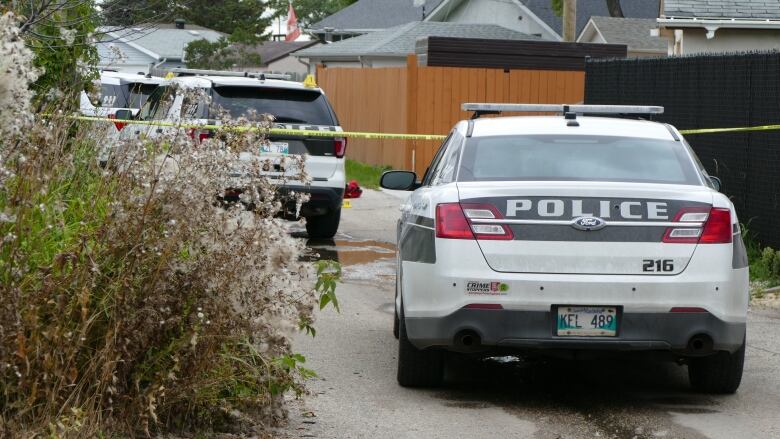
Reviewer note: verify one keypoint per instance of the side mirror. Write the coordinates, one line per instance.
(716, 183)
(123, 114)
(399, 180)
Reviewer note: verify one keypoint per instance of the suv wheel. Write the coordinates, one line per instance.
(719, 373)
(323, 226)
(417, 368)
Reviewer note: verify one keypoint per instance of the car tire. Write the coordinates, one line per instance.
(324, 226)
(417, 368)
(720, 373)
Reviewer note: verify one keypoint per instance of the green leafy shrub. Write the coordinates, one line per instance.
(767, 267)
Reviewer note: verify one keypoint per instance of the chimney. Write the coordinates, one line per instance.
(180, 22)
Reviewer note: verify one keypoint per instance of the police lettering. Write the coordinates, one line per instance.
(628, 210)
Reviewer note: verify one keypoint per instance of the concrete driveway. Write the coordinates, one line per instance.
(356, 394)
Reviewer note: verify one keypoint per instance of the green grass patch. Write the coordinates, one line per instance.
(366, 175)
(764, 261)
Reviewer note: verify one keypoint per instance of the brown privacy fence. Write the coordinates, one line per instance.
(427, 100)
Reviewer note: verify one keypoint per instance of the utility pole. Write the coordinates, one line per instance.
(569, 20)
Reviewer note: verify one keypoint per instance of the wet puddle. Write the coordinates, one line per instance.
(360, 260)
(348, 252)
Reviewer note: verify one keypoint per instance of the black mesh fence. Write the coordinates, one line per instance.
(713, 91)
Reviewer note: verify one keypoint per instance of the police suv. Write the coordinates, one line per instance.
(294, 105)
(550, 235)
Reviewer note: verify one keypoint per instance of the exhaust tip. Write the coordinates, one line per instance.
(467, 340)
(700, 344)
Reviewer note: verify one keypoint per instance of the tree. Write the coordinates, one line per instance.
(614, 8)
(219, 55)
(60, 35)
(242, 19)
(308, 11)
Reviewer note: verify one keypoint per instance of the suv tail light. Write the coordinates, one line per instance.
(199, 135)
(716, 227)
(340, 146)
(119, 125)
(455, 221)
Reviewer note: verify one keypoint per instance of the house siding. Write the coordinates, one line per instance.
(729, 40)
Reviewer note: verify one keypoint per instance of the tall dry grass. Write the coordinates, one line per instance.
(130, 301)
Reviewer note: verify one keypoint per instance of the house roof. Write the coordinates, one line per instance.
(589, 8)
(160, 41)
(633, 32)
(374, 14)
(713, 9)
(271, 51)
(401, 40)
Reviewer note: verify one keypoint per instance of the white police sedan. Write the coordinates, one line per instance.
(564, 235)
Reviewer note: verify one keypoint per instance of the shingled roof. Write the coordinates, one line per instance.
(633, 32)
(401, 40)
(271, 51)
(713, 9)
(590, 8)
(374, 15)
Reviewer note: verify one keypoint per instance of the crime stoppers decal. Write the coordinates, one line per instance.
(481, 288)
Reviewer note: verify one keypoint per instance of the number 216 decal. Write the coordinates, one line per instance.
(658, 265)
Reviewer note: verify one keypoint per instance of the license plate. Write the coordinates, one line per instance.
(275, 148)
(587, 321)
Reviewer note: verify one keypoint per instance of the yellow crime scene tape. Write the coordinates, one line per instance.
(362, 135)
(731, 130)
(273, 131)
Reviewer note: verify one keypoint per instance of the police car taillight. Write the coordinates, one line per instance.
(708, 226)
(339, 146)
(717, 229)
(451, 223)
(455, 221)
(482, 230)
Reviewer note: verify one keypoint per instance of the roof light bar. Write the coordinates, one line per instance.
(563, 108)
(203, 72)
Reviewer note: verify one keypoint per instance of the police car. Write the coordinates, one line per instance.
(569, 235)
(119, 91)
(294, 105)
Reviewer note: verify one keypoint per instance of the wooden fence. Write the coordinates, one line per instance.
(427, 100)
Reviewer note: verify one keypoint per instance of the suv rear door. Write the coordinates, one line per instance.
(305, 109)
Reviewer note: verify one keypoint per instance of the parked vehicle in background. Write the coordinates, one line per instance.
(292, 104)
(569, 236)
(119, 91)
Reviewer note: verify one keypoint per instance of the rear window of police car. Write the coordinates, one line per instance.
(576, 158)
(287, 106)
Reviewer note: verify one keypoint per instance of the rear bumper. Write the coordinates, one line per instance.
(535, 330)
(322, 201)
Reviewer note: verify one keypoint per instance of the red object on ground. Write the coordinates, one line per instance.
(352, 190)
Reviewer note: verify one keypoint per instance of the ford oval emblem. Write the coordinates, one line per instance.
(588, 223)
